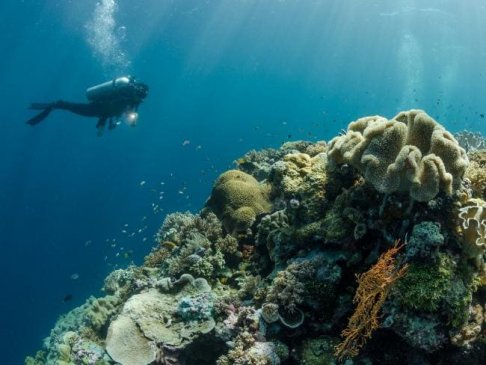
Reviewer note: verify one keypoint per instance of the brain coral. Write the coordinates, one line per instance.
(409, 153)
(237, 198)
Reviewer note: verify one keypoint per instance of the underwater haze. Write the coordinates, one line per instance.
(225, 77)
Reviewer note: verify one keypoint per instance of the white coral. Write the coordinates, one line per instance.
(473, 224)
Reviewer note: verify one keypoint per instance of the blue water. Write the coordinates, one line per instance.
(225, 76)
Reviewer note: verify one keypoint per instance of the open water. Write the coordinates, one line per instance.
(225, 76)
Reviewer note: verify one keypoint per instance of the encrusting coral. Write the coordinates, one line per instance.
(410, 152)
(265, 273)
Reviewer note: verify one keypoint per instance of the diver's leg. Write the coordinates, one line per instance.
(86, 110)
(46, 110)
(39, 117)
(111, 123)
(101, 126)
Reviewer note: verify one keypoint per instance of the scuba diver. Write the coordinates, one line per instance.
(108, 102)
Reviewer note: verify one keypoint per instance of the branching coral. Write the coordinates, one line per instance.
(410, 153)
(192, 244)
(248, 351)
(288, 287)
(373, 288)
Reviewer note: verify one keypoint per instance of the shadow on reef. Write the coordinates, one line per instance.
(367, 250)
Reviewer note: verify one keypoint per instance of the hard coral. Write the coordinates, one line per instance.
(237, 198)
(476, 173)
(410, 153)
(301, 179)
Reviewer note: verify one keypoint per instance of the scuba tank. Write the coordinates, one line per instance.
(109, 88)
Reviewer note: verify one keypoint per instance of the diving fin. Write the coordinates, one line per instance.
(42, 115)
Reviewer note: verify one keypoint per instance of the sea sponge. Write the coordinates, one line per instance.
(473, 224)
(237, 198)
(409, 153)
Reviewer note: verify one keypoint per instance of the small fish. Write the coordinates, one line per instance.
(67, 298)
(186, 142)
(142, 183)
(87, 243)
(74, 276)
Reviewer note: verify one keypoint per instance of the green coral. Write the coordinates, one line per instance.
(426, 238)
(237, 198)
(335, 225)
(409, 153)
(425, 285)
(317, 351)
(101, 310)
(39, 359)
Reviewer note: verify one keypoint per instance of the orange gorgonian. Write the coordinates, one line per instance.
(373, 289)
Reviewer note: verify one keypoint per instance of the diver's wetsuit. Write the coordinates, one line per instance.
(107, 109)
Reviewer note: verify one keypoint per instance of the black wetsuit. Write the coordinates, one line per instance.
(106, 110)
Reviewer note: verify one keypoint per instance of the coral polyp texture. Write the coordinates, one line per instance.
(266, 272)
(237, 199)
(411, 152)
(473, 223)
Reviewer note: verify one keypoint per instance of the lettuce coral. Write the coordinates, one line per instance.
(473, 223)
(409, 153)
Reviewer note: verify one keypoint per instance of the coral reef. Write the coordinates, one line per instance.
(265, 273)
(237, 199)
(470, 141)
(476, 173)
(410, 152)
(473, 223)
